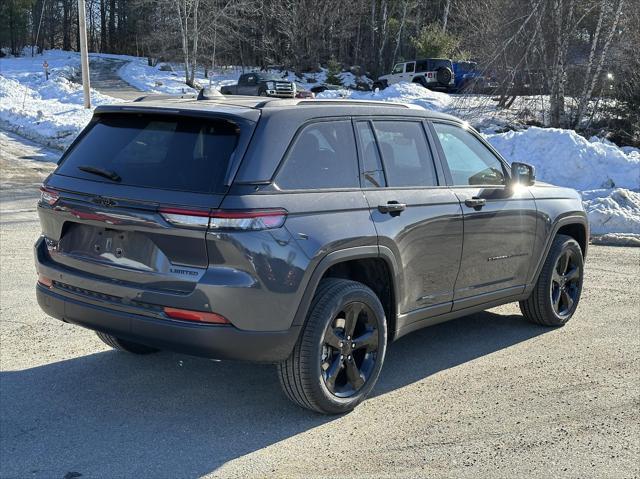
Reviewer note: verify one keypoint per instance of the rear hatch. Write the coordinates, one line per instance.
(130, 199)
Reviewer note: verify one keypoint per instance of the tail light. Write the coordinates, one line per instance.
(430, 75)
(44, 281)
(218, 220)
(48, 196)
(198, 316)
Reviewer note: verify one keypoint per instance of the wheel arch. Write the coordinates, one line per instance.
(374, 266)
(575, 226)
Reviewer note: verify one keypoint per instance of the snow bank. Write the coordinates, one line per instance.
(398, 92)
(613, 211)
(50, 111)
(151, 79)
(564, 158)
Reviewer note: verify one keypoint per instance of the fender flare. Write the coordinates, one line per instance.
(340, 256)
(563, 221)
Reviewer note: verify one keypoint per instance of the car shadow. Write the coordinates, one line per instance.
(166, 415)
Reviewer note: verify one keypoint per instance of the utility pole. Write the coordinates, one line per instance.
(84, 55)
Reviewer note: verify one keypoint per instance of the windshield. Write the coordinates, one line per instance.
(167, 152)
(269, 76)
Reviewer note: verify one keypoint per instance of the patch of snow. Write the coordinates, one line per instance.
(617, 239)
(400, 93)
(613, 211)
(564, 158)
(50, 111)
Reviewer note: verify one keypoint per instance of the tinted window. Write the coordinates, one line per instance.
(158, 152)
(373, 174)
(323, 156)
(406, 153)
(470, 162)
(422, 66)
(410, 67)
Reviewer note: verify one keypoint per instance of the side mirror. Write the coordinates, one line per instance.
(522, 174)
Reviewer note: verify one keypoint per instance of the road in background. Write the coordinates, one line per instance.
(489, 395)
(105, 79)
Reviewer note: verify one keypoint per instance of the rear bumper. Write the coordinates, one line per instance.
(210, 341)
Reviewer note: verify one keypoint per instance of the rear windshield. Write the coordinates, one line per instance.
(173, 153)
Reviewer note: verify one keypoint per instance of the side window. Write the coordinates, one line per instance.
(242, 80)
(470, 162)
(398, 68)
(422, 66)
(406, 154)
(323, 156)
(411, 67)
(373, 174)
(251, 79)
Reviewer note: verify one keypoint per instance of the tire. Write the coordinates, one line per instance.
(379, 85)
(420, 81)
(320, 376)
(262, 93)
(444, 76)
(127, 346)
(556, 295)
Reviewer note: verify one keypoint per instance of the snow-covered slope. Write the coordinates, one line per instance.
(565, 158)
(48, 111)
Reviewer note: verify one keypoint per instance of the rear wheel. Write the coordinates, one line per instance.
(124, 345)
(555, 296)
(339, 355)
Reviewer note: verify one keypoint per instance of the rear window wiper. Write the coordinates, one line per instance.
(112, 175)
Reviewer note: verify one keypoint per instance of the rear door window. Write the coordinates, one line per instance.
(323, 155)
(406, 154)
(173, 153)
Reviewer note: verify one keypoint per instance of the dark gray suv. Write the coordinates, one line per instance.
(307, 233)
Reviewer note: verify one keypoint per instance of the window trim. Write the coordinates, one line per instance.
(443, 159)
(287, 153)
(360, 149)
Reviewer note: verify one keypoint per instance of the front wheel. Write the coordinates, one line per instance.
(339, 355)
(556, 294)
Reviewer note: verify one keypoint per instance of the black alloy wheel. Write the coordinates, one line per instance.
(349, 350)
(565, 283)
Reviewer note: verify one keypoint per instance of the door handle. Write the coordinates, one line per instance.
(392, 207)
(475, 203)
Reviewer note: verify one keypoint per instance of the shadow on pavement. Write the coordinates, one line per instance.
(165, 415)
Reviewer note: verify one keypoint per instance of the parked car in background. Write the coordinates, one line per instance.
(468, 78)
(433, 73)
(306, 233)
(304, 93)
(324, 87)
(261, 84)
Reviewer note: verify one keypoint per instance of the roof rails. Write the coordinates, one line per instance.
(276, 102)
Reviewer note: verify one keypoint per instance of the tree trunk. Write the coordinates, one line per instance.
(590, 80)
(103, 26)
(445, 15)
(112, 26)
